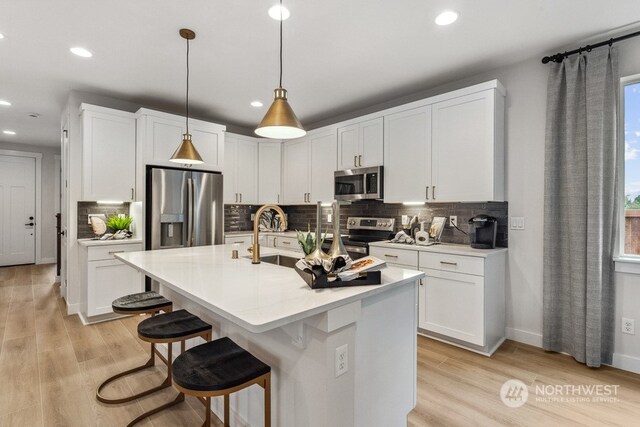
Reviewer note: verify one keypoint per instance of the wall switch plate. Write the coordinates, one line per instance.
(517, 223)
(329, 217)
(453, 221)
(628, 326)
(253, 217)
(342, 359)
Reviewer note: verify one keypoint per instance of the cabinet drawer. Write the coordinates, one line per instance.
(238, 240)
(456, 263)
(290, 243)
(96, 253)
(404, 257)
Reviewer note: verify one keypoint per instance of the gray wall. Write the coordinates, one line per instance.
(48, 220)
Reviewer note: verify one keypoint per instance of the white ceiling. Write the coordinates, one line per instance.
(339, 55)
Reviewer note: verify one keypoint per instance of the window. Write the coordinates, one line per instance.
(631, 178)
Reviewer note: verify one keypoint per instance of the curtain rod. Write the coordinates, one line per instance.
(559, 57)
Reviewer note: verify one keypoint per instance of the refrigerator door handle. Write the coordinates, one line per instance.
(190, 207)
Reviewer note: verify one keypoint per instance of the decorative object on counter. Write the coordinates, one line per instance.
(270, 221)
(337, 247)
(316, 255)
(414, 226)
(437, 226)
(98, 225)
(120, 225)
(186, 152)
(422, 237)
(342, 274)
(402, 237)
(280, 122)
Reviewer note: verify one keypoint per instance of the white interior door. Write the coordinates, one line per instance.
(17, 210)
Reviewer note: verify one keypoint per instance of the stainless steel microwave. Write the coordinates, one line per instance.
(358, 184)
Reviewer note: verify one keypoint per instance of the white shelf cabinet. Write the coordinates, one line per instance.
(107, 278)
(269, 172)
(160, 134)
(449, 148)
(240, 175)
(462, 299)
(309, 164)
(108, 154)
(361, 144)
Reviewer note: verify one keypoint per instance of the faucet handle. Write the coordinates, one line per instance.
(250, 249)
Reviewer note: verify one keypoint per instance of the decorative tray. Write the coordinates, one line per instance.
(316, 278)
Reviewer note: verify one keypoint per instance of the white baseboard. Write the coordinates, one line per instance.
(73, 308)
(627, 363)
(525, 337)
(47, 260)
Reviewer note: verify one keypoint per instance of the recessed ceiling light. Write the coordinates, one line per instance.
(5, 103)
(80, 51)
(447, 17)
(256, 104)
(276, 11)
(8, 132)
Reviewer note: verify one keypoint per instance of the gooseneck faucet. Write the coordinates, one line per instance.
(255, 259)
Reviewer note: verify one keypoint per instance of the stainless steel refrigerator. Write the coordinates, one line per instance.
(184, 208)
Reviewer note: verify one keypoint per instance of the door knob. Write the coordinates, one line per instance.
(30, 218)
(30, 224)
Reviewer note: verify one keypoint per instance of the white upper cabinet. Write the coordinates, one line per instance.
(160, 135)
(308, 167)
(467, 148)
(240, 175)
(269, 171)
(296, 156)
(323, 166)
(361, 144)
(407, 155)
(108, 154)
(449, 148)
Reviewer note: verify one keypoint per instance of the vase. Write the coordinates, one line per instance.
(317, 256)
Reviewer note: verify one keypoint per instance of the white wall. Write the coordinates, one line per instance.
(48, 197)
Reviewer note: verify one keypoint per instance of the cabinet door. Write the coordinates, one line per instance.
(108, 280)
(109, 156)
(163, 137)
(209, 143)
(247, 171)
(452, 304)
(323, 166)
(295, 175)
(463, 148)
(229, 177)
(371, 143)
(348, 146)
(407, 155)
(269, 171)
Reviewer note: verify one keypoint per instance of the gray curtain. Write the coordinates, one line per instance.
(580, 206)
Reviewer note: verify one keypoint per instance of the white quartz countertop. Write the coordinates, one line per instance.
(443, 248)
(94, 242)
(256, 297)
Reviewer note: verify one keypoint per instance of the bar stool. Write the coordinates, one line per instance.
(169, 328)
(141, 303)
(219, 368)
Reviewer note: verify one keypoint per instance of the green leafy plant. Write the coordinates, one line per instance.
(117, 223)
(632, 204)
(307, 241)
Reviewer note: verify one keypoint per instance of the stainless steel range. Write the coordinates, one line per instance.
(362, 231)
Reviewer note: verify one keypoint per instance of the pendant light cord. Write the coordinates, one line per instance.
(281, 44)
(187, 100)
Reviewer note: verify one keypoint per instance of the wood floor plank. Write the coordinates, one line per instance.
(19, 374)
(20, 321)
(30, 416)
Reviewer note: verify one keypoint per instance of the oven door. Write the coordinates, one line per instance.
(358, 184)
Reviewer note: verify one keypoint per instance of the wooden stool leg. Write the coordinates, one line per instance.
(267, 401)
(182, 346)
(207, 420)
(226, 410)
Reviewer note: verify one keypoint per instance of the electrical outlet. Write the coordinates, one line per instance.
(628, 326)
(453, 221)
(253, 217)
(329, 217)
(342, 359)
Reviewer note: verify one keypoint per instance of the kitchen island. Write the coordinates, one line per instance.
(339, 357)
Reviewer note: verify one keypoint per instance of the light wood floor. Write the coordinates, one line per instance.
(50, 365)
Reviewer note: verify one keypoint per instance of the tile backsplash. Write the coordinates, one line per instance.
(86, 208)
(238, 217)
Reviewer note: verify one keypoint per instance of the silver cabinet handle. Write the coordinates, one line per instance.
(427, 192)
(433, 192)
(421, 282)
(391, 256)
(236, 197)
(278, 198)
(240, 197)
(360, 160)
(448, 263)
(132, 194)
(286, 243)
(239, 241)
(115, 252)
(355, 161)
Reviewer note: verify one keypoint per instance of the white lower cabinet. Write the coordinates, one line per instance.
(107, 278)
(289, 243)
(462, 298)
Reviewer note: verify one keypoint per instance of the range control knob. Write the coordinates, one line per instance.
(352, 222)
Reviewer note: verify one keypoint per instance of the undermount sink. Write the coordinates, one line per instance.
(282, 260)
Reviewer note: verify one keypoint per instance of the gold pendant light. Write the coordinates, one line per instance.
(186, 152)
(280, 122)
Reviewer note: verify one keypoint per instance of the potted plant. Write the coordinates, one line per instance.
(120, 224)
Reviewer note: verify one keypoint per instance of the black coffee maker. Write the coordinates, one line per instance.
(483, 230)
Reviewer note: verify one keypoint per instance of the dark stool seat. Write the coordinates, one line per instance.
(169, 326)
(218, 368)
(143, 302)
